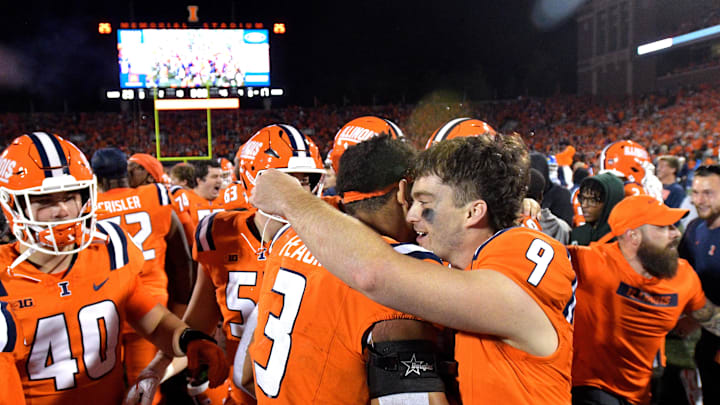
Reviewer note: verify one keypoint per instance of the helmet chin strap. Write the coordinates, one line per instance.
(275, 217)
(24, 256)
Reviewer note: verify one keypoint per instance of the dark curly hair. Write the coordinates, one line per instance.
(494, 168)
(371, 166)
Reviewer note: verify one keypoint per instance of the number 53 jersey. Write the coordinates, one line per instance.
(71, 320)
(311, 330)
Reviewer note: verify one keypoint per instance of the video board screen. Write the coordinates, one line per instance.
(187, 58)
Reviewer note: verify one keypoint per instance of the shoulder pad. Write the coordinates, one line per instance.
(163, 195)
(116, 245)
(203, 234)
(8, 331)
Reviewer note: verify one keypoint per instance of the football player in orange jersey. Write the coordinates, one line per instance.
(145, 169)
(631, 293)
(230, 246)
(317, 340)
(630, 162)
(9, 375)
(516, 348)
(75, 280)
(234, 194)
(203, 197)
(146, 213)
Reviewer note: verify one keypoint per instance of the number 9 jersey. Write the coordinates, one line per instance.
(493, 372)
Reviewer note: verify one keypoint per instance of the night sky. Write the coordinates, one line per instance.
(52, 58)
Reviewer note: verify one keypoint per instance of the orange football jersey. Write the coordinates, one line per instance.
(181, 205)
(632, 188)
(234, 259)
(308, 344)
(199, 207)
(145, 213)
(12, 391)
(71, 321)
(233, 197)
(622, 318)
(493, 372)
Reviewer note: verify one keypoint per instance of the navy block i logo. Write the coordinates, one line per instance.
(64, 291)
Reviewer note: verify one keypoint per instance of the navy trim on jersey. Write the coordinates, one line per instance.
(8, 338)
(174, 189)
(413, 250)
(116, 239)
(569, 310)
(203, 234)
(72, 263)
(3, 291)
(163, 196)
(477, 252)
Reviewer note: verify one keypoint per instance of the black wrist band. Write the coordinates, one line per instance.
(188, 335)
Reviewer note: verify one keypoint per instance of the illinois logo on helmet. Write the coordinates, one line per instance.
(625, 159)
(358, 130)
(37, 165)
(282, 147)
(459, 127)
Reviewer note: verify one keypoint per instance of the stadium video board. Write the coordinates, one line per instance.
(190, 58)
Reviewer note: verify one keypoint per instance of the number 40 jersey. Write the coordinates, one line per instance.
(71, 320)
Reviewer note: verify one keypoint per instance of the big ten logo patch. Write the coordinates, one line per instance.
(23, 303)
(232, 258)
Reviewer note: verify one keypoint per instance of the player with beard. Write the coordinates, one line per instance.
(630, 295)
(698, 247)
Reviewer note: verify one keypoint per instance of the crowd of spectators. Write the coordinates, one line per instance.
(683, 123)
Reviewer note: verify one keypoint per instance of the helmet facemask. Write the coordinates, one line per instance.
(61, 237)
